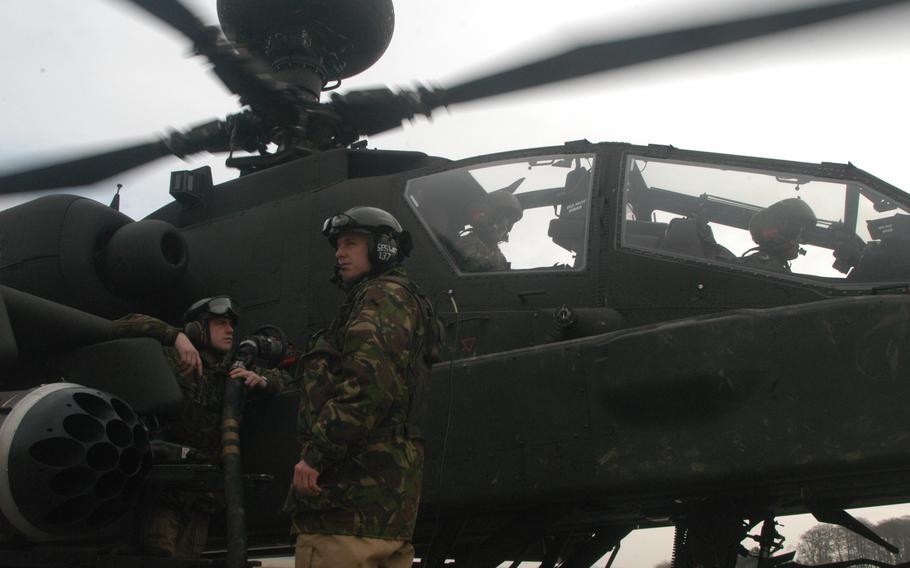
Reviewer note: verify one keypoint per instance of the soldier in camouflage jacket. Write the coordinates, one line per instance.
(364, 387)
(177, 524)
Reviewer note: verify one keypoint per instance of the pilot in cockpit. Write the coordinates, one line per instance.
(778, 232)
(490, 218)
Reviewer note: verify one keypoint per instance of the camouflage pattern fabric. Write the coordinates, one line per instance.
(363, 394)
(141, 325)
(474, 255)
(177, 524)
(198, 421)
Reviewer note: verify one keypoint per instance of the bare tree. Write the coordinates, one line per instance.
(818, 544)
(830, 543)
(897, 532)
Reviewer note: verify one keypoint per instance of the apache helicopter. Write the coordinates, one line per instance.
(629, 368)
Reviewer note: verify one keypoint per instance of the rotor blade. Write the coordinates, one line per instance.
(84, 171)
(612, 55)
(240, 72)
(179, 17)
(213, 136)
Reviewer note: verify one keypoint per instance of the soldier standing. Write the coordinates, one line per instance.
(364, 386)
(177, 524)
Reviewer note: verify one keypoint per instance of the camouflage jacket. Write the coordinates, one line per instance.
(197, 422)
(474, 255)
(364, 385)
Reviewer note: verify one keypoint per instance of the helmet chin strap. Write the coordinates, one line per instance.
(337, 280)
(336, 276)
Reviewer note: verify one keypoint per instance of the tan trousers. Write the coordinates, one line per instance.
(343, 551)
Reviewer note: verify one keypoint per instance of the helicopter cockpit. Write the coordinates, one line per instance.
(730, 214)
(518, 214)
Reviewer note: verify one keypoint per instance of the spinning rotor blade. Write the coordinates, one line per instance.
(84, 171)
(612, 55)
(240, 72)
(212, 136)
(369, 112)
(179, 17)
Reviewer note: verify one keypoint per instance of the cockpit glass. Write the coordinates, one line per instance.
(765, 220)
(520, 214)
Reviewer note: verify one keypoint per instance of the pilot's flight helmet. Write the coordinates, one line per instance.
(496, 203)
(779, 227)
(215, 306)
(197, 316)
(504, 202)
(389, 243)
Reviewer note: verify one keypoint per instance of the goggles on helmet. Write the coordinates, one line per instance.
(213, 307)
(339, 223)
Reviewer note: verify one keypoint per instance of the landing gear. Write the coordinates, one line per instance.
(531, 537)
(708, 535)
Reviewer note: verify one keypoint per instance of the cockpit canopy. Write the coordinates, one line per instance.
(474, 212)
(533, 214)
(838, 229)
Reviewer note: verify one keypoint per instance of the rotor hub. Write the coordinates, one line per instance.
(306, 40)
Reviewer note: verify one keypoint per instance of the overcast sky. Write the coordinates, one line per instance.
(91, 73)
(96, 72)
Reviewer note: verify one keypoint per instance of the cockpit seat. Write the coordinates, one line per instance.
(645, 234)
(691, 237)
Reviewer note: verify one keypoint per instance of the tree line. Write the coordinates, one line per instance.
(824, 543)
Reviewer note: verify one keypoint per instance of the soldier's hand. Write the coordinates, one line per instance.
(189, 356)
(249, 378)
(305, 479)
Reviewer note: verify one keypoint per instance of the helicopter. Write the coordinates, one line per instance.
(507, 512)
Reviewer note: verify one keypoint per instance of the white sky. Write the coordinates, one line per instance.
(96, 72)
